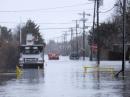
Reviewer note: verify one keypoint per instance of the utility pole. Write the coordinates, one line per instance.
(124, 36)
(0, 33)
(71, 29)
(83, 35)
(123, 41)
(91, 53)
(76, 29)
(98, 36)
(77, 50)
(84, 20)
(65, 42)
(20, 35)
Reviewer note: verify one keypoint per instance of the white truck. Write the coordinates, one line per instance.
(31, 55)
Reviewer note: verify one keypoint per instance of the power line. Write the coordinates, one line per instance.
(8, 22)
(108, 10)
(52, 28)
(51, 11)
(35, 10)
(54, 23)
(37, 23)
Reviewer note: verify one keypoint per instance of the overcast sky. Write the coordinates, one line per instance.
(49, 11)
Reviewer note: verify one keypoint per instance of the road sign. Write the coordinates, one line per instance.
(94, 48)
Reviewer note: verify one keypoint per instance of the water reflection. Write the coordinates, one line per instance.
(32, 76)
(65, 79)
(4, 77)
(101, 84)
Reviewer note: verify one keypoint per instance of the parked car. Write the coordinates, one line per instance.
(74, 56)
(53, 56)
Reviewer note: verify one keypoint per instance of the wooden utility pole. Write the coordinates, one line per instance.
(84, 20)
(124, 36)
(98, 36)
(72, 48)
(91, 53)
(123, 40)
(76, 30)
(84, 35)
(65, 43)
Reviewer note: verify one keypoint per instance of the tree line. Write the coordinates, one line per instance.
(111, 33)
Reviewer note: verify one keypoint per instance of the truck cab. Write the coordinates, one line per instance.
(31, 56)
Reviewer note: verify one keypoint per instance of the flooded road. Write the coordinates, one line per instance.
(65, 78)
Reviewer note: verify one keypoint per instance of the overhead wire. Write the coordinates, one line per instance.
(52, 28)
(40, 23)
(45, 9)
(108, 10)
(37, 23)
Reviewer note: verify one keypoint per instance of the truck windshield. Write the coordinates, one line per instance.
(31, 51)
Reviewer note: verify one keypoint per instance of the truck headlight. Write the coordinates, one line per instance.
(21, 61)
(40, 60)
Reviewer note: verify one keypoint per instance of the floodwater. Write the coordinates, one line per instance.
(66, 78)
